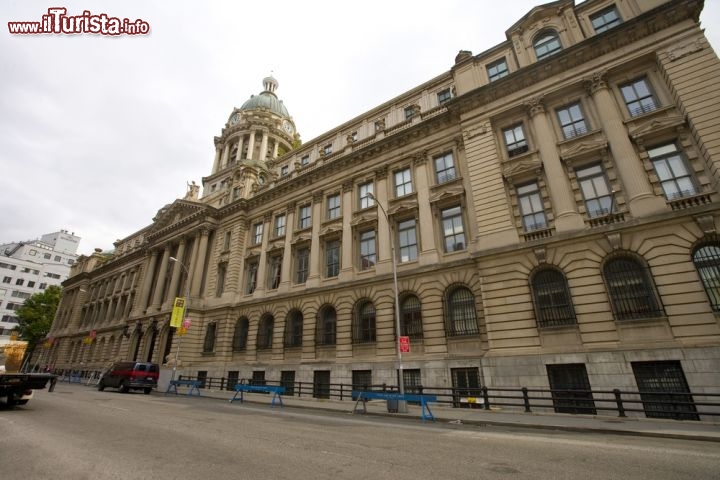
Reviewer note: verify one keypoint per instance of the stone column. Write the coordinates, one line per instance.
(192, 261)
(216, 162)
(199, 264)
(425, 222)
(642, 201)
(313, 279)
(225, 155)
(238, 154)
(263, 147)
(150, 266)
(566, 216)
(276, 145)
(158, 296)
(346, 260)
(262, 279)
(383, 237)
(251, 145)
(177, 271)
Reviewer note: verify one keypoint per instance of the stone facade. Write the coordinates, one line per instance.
(552, 203)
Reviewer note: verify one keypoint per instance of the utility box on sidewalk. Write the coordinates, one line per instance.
(392, 405)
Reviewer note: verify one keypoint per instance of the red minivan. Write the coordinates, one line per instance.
(126, 376)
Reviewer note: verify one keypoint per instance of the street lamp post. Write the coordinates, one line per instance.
(187, 302)
(402, 405)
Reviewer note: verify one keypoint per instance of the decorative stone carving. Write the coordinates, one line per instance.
(541, 255)
(676, 53)
(596, 82)
(706, 224)
(615, 240)
(535, 105)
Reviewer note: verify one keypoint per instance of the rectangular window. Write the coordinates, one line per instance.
(58, 258)
(497, 69)
(251, 277)
(327, 149)
(445, 168)
(664, 390)
(7, 279)
(409, 112)
(226, 242)
(287, 380)
(361, 379)
(275, 271)
(305, 217)
(443, 96)
(222, 272)
(605, 19)
(466, 387)
(43, 286)
(367, 250)
(209, 343)
(639, 97)
(515, 140)
(595, 190)
(332, 258)
(571, 388)
(279, 225)
(403, 183)
(572, 121)
(670, 167)
(531, 207)
(365, 200)
(33, 252)
(46, 256)
(302, 265)
(453, 230)
(19, 281)
(407, 240)
(321, 384)
(305, 160)
(257, 233)
(333, 206)
(284, 170)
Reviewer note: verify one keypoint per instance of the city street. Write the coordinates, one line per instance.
(80, 433)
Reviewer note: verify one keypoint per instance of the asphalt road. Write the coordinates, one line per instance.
(79, 433)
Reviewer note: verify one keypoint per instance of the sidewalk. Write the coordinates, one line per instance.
(687, 429)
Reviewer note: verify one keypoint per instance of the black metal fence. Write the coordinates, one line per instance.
(674, 405)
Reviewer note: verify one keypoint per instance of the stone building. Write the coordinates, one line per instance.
(552, 204)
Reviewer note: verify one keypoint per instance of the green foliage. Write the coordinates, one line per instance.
(36, 315)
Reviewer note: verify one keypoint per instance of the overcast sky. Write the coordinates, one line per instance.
(97, 133)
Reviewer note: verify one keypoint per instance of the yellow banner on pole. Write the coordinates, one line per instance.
(178, 312)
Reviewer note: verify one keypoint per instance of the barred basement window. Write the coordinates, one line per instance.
(551, 296)
(631, 290)
(460, 314)
(707, 263)
(664, 390)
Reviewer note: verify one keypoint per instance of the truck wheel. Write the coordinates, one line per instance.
(122, 388)
(147, 390)
(101, 386)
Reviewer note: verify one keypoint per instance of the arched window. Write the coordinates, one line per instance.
(551, 297)
(364, 323)
(210, 332)
(411, 317)
(326, 322)
(240, 335)
(460, 314)
(707, 262)
(546, 43)
(631, 289)
(265, 332)
(293, 329)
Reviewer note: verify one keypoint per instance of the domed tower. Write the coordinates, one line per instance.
(255, 134)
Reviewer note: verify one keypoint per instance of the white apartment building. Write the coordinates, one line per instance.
(29, 267)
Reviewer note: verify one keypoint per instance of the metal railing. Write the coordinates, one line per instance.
(675, 405)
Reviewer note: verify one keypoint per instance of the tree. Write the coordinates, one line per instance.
(36, 315)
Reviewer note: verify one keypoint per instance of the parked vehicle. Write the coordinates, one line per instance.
(126, 376)
(16, 388)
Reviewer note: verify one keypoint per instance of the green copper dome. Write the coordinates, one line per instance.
(267, 99)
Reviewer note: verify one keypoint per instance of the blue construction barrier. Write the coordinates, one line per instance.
(193, 386)
(426, 413)
(241, 388)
